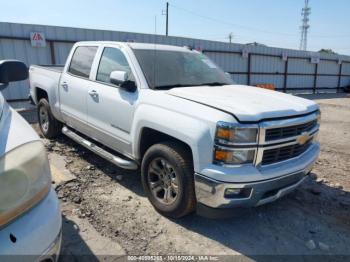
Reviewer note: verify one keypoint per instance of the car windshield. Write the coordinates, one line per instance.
(165, 69)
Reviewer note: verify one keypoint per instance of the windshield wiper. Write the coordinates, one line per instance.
(214, 84)
(187, 85)
(171, 86)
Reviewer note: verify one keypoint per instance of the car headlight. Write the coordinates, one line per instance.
(319, 117)
(227, 133)
(236, 144)
(24, 180)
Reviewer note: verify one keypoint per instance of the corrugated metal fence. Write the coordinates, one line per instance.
(289, 70)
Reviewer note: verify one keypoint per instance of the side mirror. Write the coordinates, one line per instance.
(120, 78)
(12, 71)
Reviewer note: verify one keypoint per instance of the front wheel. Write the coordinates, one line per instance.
(49, 126)
(167, 178)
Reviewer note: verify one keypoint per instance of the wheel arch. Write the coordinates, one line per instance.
(194, 132)
(41, 93)
(150, 136)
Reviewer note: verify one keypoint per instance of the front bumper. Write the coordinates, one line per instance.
(35, 236)
(211, 192)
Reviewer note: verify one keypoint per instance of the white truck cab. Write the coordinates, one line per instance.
(198, 137)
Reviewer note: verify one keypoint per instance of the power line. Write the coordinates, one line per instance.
(329, 36)
(251, 28)
(227, 23)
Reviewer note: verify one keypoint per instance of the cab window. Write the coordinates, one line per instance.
(82, 61)
(112, 59)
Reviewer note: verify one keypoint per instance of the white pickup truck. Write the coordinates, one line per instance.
(198, 138)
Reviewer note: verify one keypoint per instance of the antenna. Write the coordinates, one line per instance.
(305, 12)
(155, 24)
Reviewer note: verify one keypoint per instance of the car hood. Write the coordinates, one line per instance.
(14, 130)
(2, 102)
(247, 103)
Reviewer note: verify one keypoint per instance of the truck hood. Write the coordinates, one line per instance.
(247, 103)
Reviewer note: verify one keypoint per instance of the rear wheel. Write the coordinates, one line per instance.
(167, 178)
(49, 126)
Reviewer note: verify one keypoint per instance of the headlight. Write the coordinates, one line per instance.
(24, 180)
(319, 117)
(232, 140)
(234, 156)
(227, 133)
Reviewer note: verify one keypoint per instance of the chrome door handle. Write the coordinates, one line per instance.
(93, 93)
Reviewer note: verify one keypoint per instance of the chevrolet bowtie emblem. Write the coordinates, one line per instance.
(303, 138)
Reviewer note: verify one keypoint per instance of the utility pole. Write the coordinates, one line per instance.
(166, 13)
(230, 37)
(305, 12)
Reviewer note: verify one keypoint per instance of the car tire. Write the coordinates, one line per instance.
(346, 89)
(49, 125)
(173, 195)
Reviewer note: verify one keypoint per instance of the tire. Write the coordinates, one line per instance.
(49, 126)
(173, 161)
(346, 89)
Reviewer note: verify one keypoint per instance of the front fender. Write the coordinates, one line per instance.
(196, 133)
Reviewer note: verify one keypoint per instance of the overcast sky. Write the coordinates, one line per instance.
(271, 22)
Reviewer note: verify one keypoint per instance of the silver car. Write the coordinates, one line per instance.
(30, 217)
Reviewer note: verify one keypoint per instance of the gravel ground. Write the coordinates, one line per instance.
(109, 203)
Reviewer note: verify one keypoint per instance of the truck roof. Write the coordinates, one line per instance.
(134, 45)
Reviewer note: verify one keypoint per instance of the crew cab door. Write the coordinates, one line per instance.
(110, 107)
(74, 85)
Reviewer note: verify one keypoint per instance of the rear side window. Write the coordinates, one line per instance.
(82, 61)
(112, 60)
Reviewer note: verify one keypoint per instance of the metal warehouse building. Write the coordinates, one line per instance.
(289, 70)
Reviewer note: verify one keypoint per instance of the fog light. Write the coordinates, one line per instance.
(237, 192)
(232, 191)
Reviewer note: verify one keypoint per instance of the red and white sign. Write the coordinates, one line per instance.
(245, 53)
(37, 39)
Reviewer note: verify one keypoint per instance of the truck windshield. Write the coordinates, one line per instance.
(165, 69)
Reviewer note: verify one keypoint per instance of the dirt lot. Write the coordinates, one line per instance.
(106, 213)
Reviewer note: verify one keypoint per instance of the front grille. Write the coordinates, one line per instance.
(271, 156)
(289, 131)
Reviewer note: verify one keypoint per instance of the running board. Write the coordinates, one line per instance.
(123, 163)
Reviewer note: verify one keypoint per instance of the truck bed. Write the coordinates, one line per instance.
(44, 77)
(57, 68)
